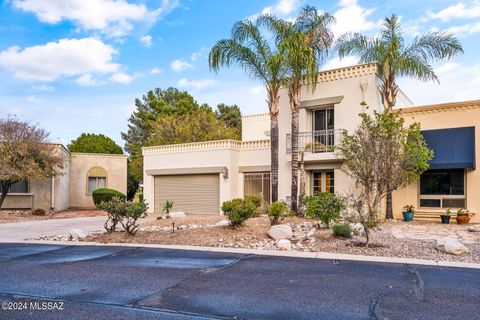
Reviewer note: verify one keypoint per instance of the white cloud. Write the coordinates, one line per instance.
(33, 99)
(44, 87)
(457, 11)
(97, 114)
(351, 17)
(111, 17)
(180, 65)
(67, 57)
(86, 80)
(156, 71)
(339, 63)
(146, 40)
(121, 77)
(465, 30)
(282, 8)
(195, 84)
(457, 82)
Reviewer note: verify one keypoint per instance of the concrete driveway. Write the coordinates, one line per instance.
(18, 231)
(104, 282)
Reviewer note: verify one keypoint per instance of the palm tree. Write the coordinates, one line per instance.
(250, 51)
(396, 59)
(305, 42)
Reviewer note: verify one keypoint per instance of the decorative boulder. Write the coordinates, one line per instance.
(474, 228)
(280, 231)
(357, 229)
(452, 246)
(222, 223)
(284, 244)
(77, 234)
(177, 214)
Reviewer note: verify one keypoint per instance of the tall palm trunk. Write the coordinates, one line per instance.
(294, 96)
(301, 195)
(274, 154)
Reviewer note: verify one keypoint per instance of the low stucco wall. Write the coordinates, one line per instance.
(452, 115)
(80, 163)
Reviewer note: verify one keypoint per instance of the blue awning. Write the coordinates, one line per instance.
(454, 147)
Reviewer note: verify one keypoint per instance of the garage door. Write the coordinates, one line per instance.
(193, 193)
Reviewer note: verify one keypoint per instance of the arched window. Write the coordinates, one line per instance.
(96, 179)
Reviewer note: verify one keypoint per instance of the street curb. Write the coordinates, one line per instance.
(293, 254)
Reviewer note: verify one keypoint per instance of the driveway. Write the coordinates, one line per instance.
(18, 231)
(103, 282)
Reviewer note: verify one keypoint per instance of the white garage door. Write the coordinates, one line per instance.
(192, 193)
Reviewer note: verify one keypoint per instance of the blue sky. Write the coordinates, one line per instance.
(76, 66)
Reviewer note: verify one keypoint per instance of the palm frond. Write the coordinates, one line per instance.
(435, 46)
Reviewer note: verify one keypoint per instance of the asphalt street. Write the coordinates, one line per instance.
(102, 282)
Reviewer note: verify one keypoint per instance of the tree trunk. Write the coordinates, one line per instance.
(274, 155)
(5, 188)
(301, 195)
(294, 190)
(389, 214)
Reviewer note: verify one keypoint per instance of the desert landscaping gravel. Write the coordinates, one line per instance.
(391, 239)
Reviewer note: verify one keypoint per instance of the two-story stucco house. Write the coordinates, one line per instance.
(198, 177)
(82, 173)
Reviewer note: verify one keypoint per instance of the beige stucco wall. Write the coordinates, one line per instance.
(453, 115)
(345, 89)
(80, 163)
(256, 127)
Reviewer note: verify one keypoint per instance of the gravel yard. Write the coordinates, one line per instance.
(392, 239)
(7, 216)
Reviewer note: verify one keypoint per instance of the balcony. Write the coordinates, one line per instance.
(322, 141)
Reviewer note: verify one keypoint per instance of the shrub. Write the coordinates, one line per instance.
(104, 194)
(38, 212)
(324, 207)
(114, 208)
(277, 211)
(255, 199)
(342, 230)
(166, 209)
(238, 210)
(124, 212)
(133, 211)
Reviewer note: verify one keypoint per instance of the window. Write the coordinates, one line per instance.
(442, 189)
(96, 179)
(323, 129)
(323, 181)
(95, 183)
(257, 183)
(18, 187)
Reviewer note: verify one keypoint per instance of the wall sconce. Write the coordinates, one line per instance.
(225, 173)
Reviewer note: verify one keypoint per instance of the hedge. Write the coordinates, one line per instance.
(104, 194)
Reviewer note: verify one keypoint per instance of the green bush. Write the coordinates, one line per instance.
(342, 230)
(324, 207)
(124, 212)
(104, 194)
(278, 211)
(255, 199)
(238, 210)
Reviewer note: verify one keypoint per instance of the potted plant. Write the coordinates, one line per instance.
(408, 213)
(463, 216)
(446, 216)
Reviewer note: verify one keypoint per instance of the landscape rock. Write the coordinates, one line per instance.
(280, 231)
(77, 234)
(357, 229)
(474, 228)
(177, 214)
(452, 246)
(222, 223)
(284, 244)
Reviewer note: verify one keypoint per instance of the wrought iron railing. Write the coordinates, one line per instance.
(316, 141)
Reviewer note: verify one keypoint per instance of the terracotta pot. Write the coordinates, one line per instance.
(463, 218)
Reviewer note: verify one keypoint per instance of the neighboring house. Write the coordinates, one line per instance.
(82, 173)
(198, 177)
